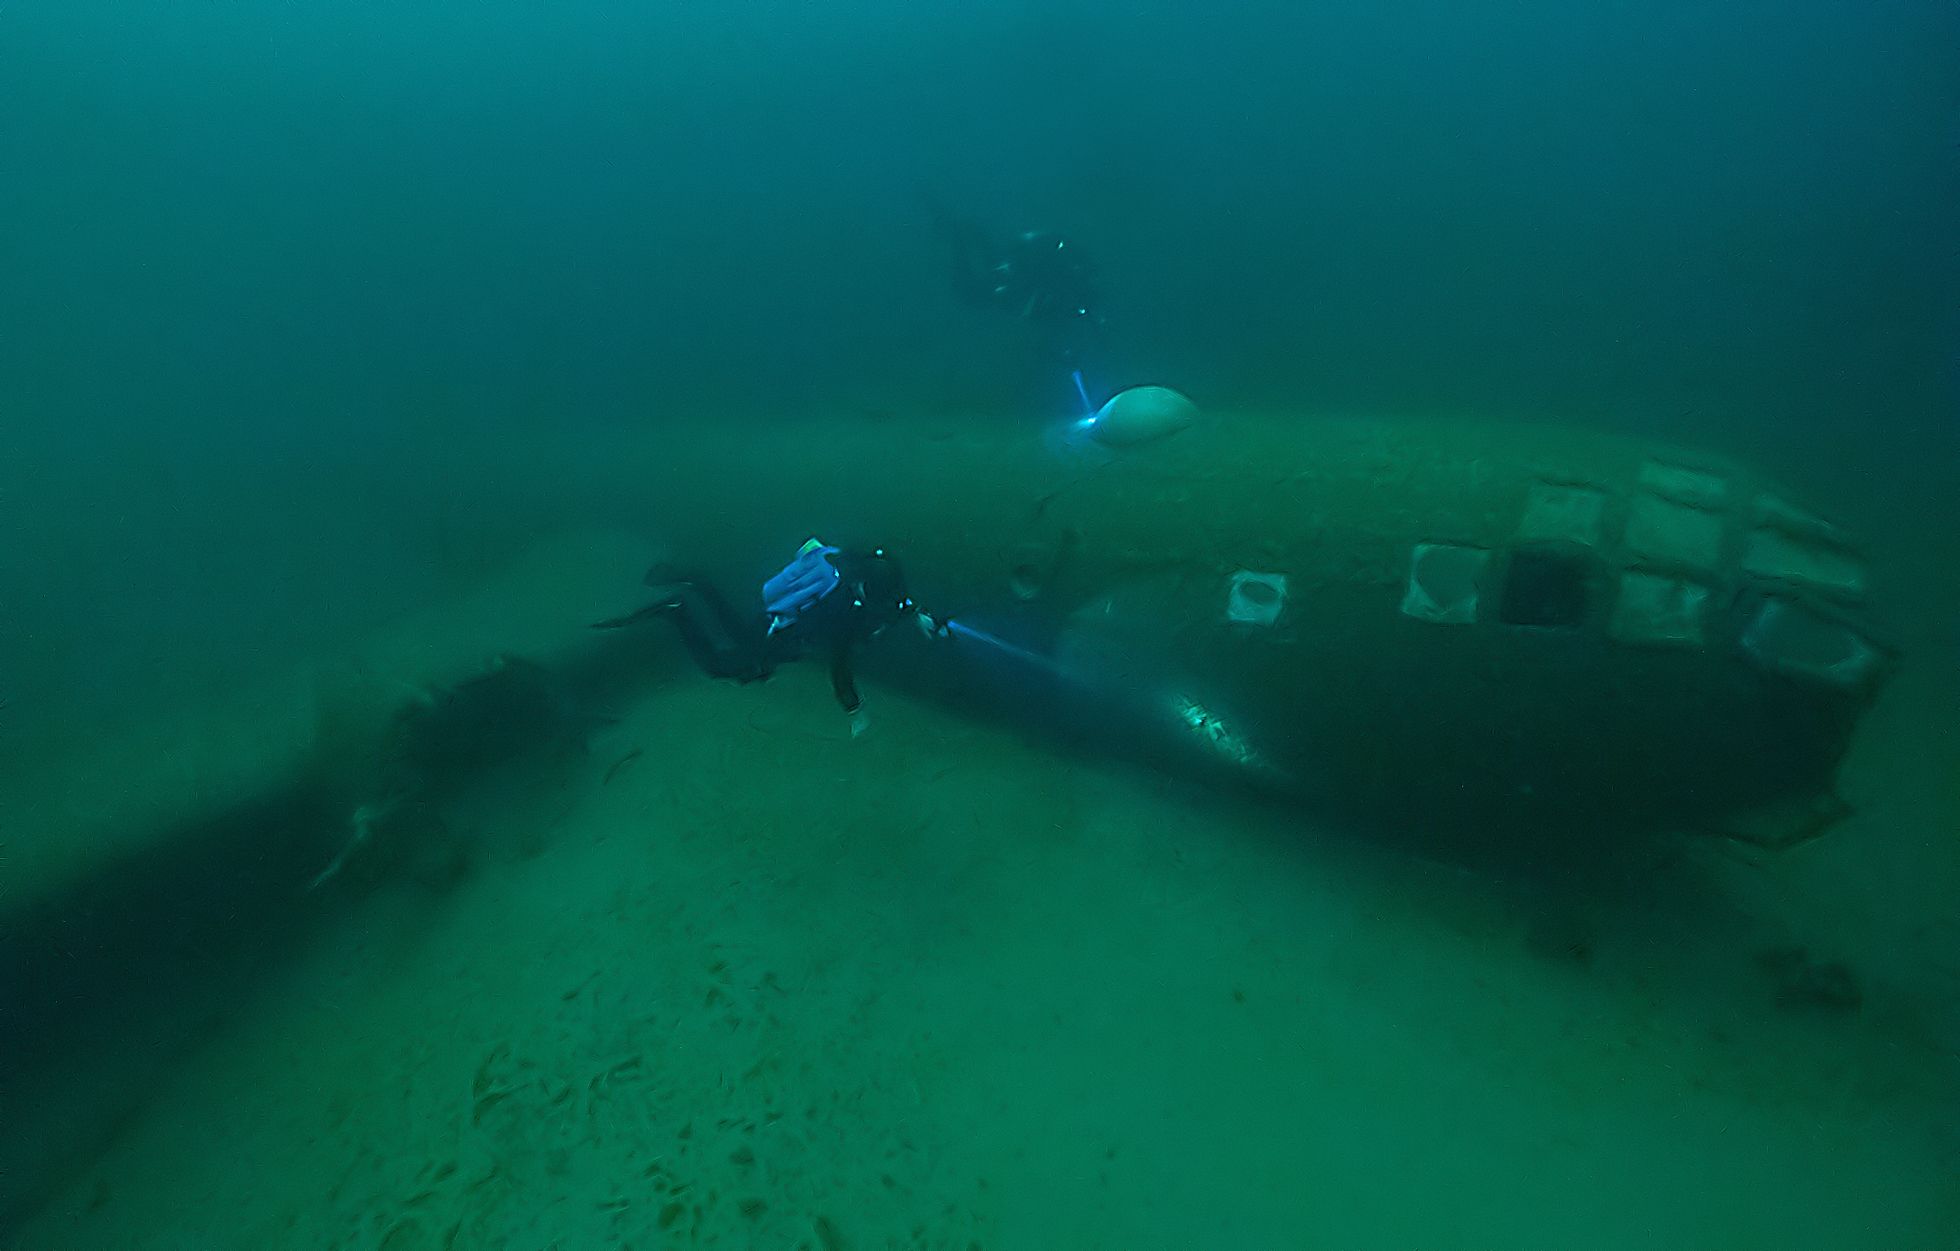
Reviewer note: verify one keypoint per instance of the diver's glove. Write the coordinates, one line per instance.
(930, 628)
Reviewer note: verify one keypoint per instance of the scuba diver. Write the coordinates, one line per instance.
(1040, 277)
(824, 602)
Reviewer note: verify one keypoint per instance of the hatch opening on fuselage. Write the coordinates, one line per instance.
(1548, 588)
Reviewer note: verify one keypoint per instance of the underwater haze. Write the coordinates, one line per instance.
(244, 239)
(356, 356)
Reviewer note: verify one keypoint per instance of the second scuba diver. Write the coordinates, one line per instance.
(1039, 277)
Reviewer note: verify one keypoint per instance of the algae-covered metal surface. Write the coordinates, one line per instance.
(1468, 624)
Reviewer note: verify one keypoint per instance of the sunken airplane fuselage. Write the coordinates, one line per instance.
(1447, 624)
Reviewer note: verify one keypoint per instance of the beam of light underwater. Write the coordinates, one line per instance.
(1197, 724)
(1068, 438)
(1047, 664)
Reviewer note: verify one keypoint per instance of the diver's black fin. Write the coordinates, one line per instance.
(634, 618)
(1783, 823)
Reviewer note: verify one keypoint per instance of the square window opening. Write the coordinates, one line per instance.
(1548, 588)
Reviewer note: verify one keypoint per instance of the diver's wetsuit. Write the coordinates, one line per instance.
(1042, 277)
(869, 594)
(1038, 276)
